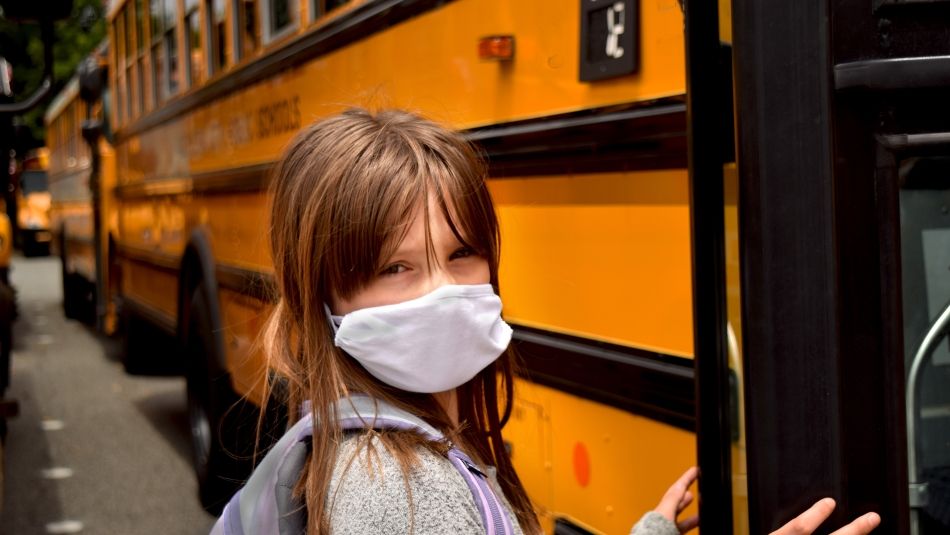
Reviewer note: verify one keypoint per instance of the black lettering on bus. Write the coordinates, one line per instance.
(278, 117)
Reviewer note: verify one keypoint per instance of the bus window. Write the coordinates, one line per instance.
(140, 82)
(321, 7)
(158, 74)
(119, 33)
(164, 49)
(33, 181)
(140, 54)
(279, 16)
(139, 26)
(245, 29)
(333, 4)
(129, 60)
(171, 45)
(158, 25)
(194, 54)
(216, 35)
(925, 255)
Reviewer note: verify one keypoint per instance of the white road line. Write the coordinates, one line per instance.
(57, 472)
(64, 526)
(52, 425)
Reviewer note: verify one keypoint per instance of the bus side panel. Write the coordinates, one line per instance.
(603, 256)
(429, 63)
(243, 321)
(150, 286)
(238, 226)
(583, 460)
(108, 232)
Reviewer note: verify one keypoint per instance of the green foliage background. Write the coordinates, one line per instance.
(22, 46)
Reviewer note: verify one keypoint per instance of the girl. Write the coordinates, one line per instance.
(385, 246)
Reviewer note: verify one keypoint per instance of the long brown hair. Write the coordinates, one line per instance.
(342, 197)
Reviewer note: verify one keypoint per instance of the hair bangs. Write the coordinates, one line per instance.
(373, 212)
(392, 182)
(459, 191)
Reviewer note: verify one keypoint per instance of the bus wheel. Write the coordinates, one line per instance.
(7, 311)
(137, 340)
(223, 426)
(69, 300)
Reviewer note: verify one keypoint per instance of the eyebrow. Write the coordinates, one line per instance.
(403, 250)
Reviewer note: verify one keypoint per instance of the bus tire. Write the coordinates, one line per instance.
(7, 312)
(223, 426)
(69, 300)
(136, 342)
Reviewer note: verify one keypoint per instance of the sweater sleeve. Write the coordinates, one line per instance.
(369, 493)
(654, 523)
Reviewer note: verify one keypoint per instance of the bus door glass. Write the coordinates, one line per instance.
(925, 271)
(740, 495)
(733, 281)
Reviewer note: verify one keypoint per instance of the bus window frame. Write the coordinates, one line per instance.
(172, 36)
(128, 61)
(141, 53)
(118, 51)
(318, 9)
(216, 36)
(193, 12)
(239, 11)
(268, 34)
(160, 44)
(156, 52)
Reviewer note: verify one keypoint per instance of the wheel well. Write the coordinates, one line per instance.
(198, 267)
(61, 241)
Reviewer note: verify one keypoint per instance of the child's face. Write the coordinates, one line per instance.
(409, 273)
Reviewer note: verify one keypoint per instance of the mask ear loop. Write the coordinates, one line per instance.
(335, 321)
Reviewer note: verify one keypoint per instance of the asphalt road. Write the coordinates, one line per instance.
(93, 450)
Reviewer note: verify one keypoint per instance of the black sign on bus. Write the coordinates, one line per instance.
(608, 39)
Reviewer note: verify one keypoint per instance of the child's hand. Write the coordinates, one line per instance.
(677, 498)
(807, 522)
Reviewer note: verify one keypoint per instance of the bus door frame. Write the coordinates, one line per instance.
(706, 123)
(817, 86)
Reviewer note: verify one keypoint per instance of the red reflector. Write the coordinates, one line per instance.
(497, 47)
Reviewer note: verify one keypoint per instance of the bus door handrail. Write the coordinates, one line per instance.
(918, 489)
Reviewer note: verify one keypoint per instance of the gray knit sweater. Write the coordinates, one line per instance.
(368, 494)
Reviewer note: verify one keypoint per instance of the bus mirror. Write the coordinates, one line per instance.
(92, 79)
(45, 13)
(91, 130)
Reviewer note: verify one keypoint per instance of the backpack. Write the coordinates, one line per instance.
(265, 505)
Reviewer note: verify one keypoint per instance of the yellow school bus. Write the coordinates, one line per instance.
(580, 108)
(79, 196)
(33, 204)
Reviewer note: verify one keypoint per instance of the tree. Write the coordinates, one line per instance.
(76, 37)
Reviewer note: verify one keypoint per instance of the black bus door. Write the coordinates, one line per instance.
(841, 202)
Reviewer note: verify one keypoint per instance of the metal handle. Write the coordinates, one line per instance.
(917, 489)
(46, 30)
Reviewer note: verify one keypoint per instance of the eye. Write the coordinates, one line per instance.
(393, 269)
(462, 252)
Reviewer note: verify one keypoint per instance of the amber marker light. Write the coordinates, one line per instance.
(497, 48)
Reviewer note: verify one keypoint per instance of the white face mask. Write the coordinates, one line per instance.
(433, 343)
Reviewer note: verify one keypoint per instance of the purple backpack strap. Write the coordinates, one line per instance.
(262, 506)
(259, 508)
(494, 518)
